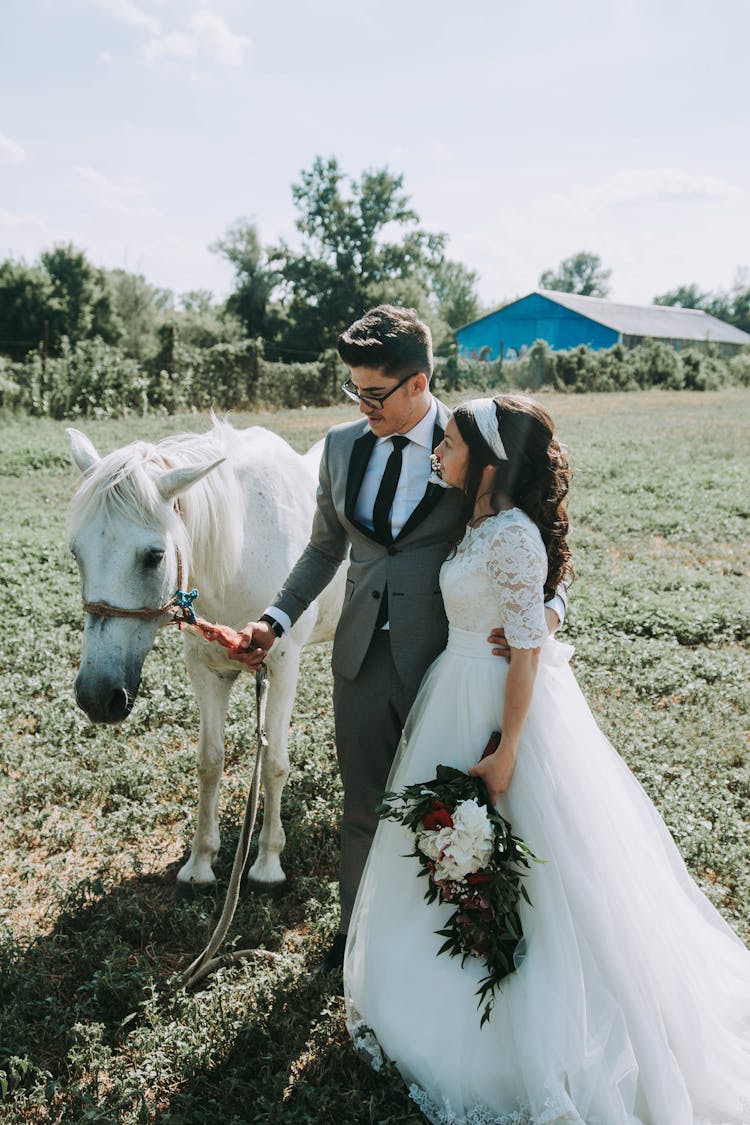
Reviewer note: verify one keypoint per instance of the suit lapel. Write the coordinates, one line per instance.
(433, 492)
(360, 455)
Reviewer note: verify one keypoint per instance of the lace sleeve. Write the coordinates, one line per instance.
(517, 565)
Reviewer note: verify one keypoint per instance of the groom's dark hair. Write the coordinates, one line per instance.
(390, 338)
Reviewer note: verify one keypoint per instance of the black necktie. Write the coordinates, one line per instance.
(381, 512)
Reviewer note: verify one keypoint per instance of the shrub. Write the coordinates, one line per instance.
(11, 393)
(656, 364)
(575, 370)
(90, 378)
(703, 371)
(540, 366)
(96, 379)
(739, 368)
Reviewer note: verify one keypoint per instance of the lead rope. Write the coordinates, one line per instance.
(206, 962)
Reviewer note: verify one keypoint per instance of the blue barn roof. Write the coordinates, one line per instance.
(566, 320)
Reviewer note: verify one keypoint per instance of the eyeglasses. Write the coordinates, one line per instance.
(374, 401)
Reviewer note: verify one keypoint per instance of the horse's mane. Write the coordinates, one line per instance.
(207, 530)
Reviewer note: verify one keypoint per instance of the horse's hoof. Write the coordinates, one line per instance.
(193, 892)
(266, 890)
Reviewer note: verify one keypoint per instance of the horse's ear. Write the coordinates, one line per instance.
(82, 451)
(174, 481)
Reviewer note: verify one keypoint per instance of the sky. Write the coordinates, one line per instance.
(526, 130)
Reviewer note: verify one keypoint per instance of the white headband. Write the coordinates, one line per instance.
(485, 416)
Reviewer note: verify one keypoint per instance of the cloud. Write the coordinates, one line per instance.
(218, 38)
(637, 188)
(126, 11)
(175, 46)
(126, 194)
(10, 151)
(206, 32)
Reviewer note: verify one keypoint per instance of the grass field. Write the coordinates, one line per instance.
(93, 1027)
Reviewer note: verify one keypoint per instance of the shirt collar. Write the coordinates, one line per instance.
(421, 434)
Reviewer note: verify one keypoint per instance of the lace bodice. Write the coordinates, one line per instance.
(496, 578)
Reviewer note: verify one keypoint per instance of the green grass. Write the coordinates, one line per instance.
(95, 821)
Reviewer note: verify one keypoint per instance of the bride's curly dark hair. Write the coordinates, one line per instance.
(536, 476)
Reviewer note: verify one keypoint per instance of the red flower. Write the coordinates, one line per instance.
(475, 902)
(440, 817)
(478, 877)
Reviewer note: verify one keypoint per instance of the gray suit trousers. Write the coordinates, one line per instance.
(370, 713)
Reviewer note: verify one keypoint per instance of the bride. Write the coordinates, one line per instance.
(631, 1005)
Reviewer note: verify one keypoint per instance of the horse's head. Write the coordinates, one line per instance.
(127, 537)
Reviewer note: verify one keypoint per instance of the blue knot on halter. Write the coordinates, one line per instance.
(184, 601)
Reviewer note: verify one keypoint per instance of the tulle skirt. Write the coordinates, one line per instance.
(632, 1004)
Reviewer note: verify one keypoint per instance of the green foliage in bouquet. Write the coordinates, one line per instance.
(472, 861)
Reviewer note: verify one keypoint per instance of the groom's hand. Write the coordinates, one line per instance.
(255, 641)
(501, 646)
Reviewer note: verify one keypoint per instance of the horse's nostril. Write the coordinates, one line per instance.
(118, 705)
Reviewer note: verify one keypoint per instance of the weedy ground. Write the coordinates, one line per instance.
(95, 821)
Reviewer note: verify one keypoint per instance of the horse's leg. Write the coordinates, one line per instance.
(267, 869)
(212, 692)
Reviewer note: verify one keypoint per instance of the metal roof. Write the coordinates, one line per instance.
(664, 322)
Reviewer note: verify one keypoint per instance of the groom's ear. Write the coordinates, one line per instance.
(421, 383)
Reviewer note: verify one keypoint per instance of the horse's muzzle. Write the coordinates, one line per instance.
(104, 702)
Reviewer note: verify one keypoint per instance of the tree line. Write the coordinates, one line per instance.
(75, 338)
(360, 243)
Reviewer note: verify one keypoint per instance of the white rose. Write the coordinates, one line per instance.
(462, 849)
(427, 844)
(459, 856)
(472, 817)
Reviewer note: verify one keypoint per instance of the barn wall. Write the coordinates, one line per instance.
(532, 318)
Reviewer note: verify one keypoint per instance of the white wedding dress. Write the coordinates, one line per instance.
(632, 1005)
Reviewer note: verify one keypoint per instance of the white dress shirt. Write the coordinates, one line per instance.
(415, 472)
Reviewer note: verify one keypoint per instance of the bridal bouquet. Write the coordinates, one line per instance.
(472, 861)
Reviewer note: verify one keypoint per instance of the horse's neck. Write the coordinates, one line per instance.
(214, 516)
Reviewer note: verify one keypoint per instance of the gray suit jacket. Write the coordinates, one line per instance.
(409, 566)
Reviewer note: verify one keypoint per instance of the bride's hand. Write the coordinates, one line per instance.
(496, 771)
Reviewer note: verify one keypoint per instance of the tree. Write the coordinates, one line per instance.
(140, 308)
(81, 304)
(739, 301)
(62, 295)
(454, 289)
(581, 273)
(732, 305)
(25, 295)
(684, 297)
(254, 280)
(202, 323)
(360, 245)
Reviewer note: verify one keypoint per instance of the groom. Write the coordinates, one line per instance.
(376, 504)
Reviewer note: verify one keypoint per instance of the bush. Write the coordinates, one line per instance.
(225, 376)
(455, 373)
(576, 370)
(90, 378)
(704, 372)
(540, 366)
(739, 369)
(656, 364)
(11, 393)
(96, 379)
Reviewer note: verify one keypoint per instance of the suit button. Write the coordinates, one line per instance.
(393, 550)
(376, 595)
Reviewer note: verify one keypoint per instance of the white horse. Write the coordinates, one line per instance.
(228, 511)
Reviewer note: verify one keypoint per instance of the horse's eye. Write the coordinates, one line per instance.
(153, 557)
